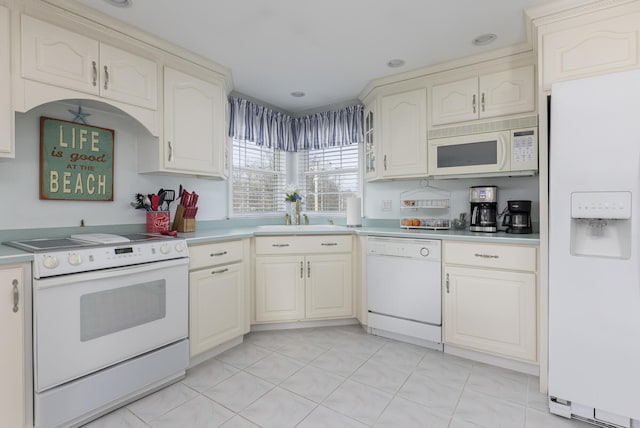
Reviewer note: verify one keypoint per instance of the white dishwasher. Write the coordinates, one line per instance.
(404, 290)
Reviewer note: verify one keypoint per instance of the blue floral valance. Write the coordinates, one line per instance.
(266, 127)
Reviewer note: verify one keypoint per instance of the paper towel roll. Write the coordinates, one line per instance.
(354, 212)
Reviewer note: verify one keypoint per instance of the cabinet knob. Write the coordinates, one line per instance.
(447, 283)
(219, 271)
(301, 269)
(482, 101)
(218, 254)
(170, 151)
(473, 103)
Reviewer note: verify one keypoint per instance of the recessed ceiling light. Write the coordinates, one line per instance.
(298, 94)
(395, 63)
(485, 39)
(120, 3)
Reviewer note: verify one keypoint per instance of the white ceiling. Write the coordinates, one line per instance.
(330, 49)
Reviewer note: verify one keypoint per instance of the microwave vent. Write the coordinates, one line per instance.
(480, 128)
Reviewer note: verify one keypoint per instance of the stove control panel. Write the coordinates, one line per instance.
(85, 259)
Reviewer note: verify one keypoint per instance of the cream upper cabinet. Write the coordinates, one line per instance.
(195, 137)
(60, 57)
(128, 78)
(590, 45)
(303, 277)
(403, 129)
(491, 95)
(490, 299)
(12, 357)
(218, 294)
(7, 145)
(454, 102)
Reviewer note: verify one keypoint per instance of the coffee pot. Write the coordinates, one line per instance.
(484, 208)
(517, 217)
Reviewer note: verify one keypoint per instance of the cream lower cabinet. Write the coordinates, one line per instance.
(293, 284)
(12, 356)
(218, 294)
(490, 299)
(280, 291)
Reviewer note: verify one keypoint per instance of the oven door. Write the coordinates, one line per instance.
(88, 321)
(470, 154)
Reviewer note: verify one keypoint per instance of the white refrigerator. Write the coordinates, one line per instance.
(594, 259)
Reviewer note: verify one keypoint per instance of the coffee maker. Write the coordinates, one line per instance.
(518, 217)
(484, 208)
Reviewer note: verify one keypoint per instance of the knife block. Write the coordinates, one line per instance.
(182, 224)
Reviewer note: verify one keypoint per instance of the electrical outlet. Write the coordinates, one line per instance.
(386, 205)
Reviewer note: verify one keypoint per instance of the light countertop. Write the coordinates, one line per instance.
(213, 232)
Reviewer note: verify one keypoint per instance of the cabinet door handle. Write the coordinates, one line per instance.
(217, 254)
(482, 101)
(473, 103)
(447, 283)
(106, 77)
(487, 256)
(16, 295)
(329, 244)
(170, 151)
(385, 162)
(308, 269)
(279, 245)
(301, 269)
(94, 73)
(219, 271)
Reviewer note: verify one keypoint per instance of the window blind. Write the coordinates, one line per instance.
(328, 176)
(259, 177)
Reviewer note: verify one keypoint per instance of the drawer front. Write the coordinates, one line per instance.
(201, 256)
(495, 256)
(315, 244)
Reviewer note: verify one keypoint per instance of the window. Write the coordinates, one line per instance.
(327, 177)
(259, 177)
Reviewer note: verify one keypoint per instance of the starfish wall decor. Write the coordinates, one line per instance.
(79, 116)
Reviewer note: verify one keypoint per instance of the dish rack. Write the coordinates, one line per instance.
(426, 208)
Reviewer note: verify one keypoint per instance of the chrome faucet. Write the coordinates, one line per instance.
(306, 219)
(287, 219)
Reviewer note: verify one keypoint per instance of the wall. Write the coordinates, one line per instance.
(509, 188)
(19, 177)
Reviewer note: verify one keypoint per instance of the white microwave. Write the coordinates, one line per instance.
(511, 152)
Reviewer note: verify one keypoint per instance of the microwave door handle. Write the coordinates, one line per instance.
(503, 146)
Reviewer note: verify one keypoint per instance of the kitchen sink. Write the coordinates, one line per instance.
(295, 228)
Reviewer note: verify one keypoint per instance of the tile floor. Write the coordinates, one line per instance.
(340, 377)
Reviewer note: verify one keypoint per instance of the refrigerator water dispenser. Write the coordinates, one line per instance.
(601, 224)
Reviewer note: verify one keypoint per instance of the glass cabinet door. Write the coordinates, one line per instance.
(370, 170)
